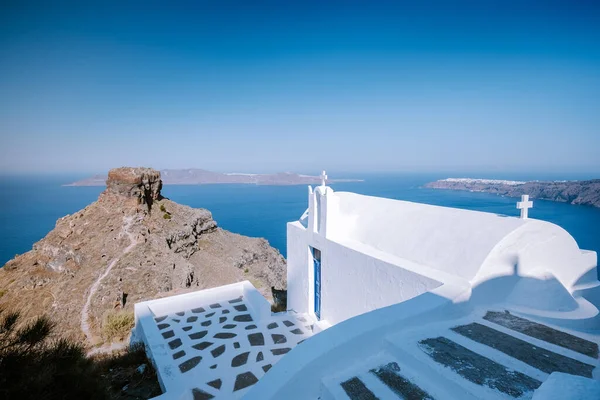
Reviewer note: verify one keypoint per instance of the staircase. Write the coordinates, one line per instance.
(497, 355)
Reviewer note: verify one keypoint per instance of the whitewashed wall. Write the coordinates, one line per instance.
(297, 268)
(352, 282)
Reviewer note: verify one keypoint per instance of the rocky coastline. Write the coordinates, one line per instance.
(585, 192)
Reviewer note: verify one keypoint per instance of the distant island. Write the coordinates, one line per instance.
(194, 176)
(573, 192)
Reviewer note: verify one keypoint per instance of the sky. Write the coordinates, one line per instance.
(268, 86)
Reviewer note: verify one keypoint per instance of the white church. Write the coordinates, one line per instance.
(390, 299)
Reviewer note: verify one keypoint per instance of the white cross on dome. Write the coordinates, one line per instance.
(524, 205)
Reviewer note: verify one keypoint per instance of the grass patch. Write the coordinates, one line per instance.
(162, 208)
(117, 324)
(255, 282)
(166, 216)
(3, 292)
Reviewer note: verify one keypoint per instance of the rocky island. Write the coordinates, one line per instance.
(131, 245)
(572, 192)
(194, 176)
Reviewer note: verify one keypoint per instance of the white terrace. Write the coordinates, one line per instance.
(215, 342)
(408, 300)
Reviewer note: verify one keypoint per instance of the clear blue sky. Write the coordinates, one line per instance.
(299, 86)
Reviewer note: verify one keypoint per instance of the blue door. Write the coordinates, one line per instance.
(317, 273)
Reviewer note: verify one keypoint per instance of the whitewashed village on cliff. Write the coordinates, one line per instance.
(389, 299)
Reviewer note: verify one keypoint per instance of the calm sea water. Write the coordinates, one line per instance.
(31, 205)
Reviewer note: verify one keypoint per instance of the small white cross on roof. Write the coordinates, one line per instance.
(323, 178)
(524, 205)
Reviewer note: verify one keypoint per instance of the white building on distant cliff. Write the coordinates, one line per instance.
(392, 298)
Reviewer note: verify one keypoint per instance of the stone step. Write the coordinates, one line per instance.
(357, 382)
(378, 377)
(356, 389)
(478, 369)
(542, 359)
(432, 378)
(382, 382)
(389, 375)
(347, 384)
(543, 332)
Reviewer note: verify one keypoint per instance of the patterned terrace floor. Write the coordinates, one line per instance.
(222, 349)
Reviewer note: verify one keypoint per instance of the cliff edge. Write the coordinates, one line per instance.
(131, 245)
(573, 192)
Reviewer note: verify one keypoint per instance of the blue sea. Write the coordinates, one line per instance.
(32, 204)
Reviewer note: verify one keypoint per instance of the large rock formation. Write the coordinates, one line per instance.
(140, 184)
(138, 245)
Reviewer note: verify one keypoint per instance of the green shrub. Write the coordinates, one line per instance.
(162, 208)
(166, 216)
(117, 324)
(3, 292)
(246, 270)
(34, 366)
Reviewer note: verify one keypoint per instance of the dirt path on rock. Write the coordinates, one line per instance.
(85, 326)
